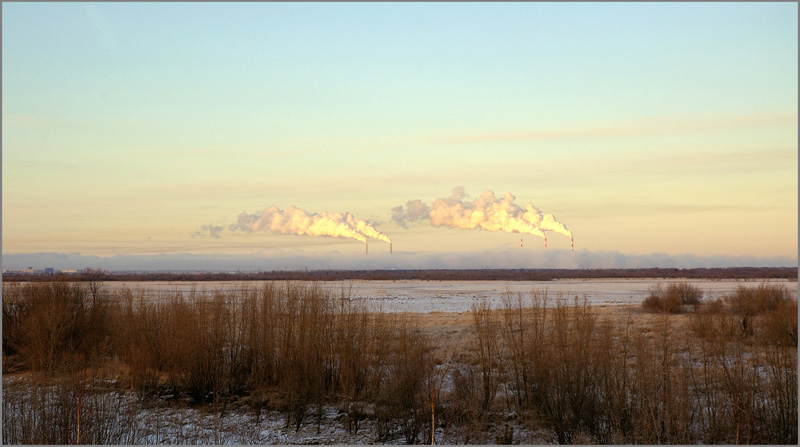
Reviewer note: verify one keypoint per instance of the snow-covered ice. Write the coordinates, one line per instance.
(458, 296)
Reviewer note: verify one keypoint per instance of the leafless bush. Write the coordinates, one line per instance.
(290, 347)
(562, 369)
(593, 382)
(662, 406)
(404, 402)
(462, 405)
(778, 409)
(489, 356)
(714, 321)
(353, 350)
(306, 350)
(68, 410)
(748, 302)
(138, 329)
(54, 325)
(523, 325)
(15, 309)
(672, 298)
(779, 326)
(568, 379)
(756, 300)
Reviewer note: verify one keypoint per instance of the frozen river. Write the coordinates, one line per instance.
(458, 296)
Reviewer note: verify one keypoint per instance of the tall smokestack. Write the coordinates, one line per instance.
(366, 247)
(571, 244)
(390, 248)
(520, 243)
(545, 243)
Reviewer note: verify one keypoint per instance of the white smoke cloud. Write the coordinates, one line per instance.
(549, 223)
(486, 212)
(208, 230)
(293, 220)
(414, 211)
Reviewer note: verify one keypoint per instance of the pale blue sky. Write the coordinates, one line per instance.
(668, 128)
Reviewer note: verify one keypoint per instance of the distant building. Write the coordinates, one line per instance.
(69, 271)
(27, 271)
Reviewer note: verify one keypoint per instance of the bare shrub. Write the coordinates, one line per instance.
(778, 396)
(55, 325)
(353, 348)
(748, 302)
(569, 379)
(15, 310)
(137, 336)
(462, 405)
(260, 314)
(687, 294)
(748, 392)
(486, 326)
(68, 410)
(779, 326)
(672, 298)
(521, 333)
(660, 301)
(662, 408)
(306, 350)
(713, 321)
(403, 404)
(756, 300)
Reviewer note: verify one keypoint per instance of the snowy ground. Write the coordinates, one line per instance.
(173, 422)
(197, 426)
(458, 296)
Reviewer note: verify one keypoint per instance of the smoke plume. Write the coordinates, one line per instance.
(414, 211)
(212, 230)
(549, 223)
(296, 221)
(486, 212)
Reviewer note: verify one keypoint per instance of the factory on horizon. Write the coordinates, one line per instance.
(45, 271)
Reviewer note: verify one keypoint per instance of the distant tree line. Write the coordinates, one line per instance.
(432, 274)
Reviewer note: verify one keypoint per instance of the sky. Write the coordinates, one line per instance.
(655, 133)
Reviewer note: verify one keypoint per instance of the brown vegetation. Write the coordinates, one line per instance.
(673, 298)
(725, 373)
